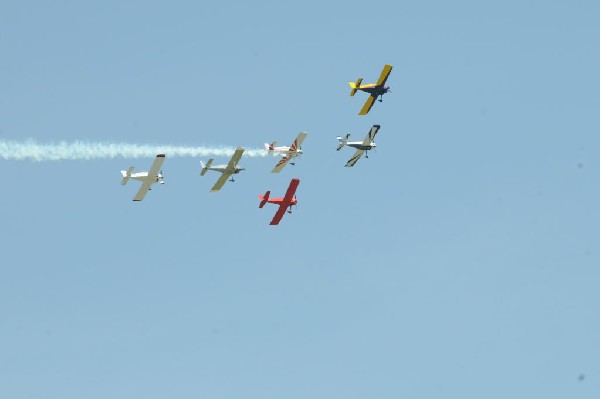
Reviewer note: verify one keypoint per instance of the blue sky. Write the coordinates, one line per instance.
(460, 260)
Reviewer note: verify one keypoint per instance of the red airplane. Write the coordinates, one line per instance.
(284, 203)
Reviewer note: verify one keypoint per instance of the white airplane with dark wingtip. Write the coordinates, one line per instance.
(154, 175)
(227, 170)
(361, 146)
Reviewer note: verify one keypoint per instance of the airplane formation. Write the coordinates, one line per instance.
(288, 153)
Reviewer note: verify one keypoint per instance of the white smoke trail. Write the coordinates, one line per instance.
(79, 150)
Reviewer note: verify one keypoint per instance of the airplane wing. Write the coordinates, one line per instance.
(355, 158)
(142, 191)
(160, 158)
(298, 142)
(371, 135)
(368, 104)
(384, 74)
(220, 182)
(290, 191)
(278, 215)
(280, 165)
(235, 159)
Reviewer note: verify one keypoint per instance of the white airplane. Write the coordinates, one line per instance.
(361, 146)
(288, 152)
(227, 170)
(147, 178)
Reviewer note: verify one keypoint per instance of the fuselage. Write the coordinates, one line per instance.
(279, 201)
(287, 150)
(143, 176)
(223, 169)
(374, 89)
(359, 145)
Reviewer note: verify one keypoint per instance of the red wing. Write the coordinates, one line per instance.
(278, 215)
(290, 192)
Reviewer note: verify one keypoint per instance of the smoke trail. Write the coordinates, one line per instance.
(78, 150)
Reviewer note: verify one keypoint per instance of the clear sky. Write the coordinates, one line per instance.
(460, 260)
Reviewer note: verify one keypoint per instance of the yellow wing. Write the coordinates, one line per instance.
(368, 104)
(384, 74)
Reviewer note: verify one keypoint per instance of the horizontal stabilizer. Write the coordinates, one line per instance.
(355, 86)
(264, 199)
(342, 141)
(205, 167)
(270, 147)
(126, 175)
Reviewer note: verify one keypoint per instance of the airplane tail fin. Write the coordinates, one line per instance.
(263, 199)
(343, 141)
(126, 175)
(355, 86)
(270, 147)
(205, 167)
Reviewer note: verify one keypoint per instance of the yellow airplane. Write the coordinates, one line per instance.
(374, 89)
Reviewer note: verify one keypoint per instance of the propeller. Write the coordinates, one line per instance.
(291, 205)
